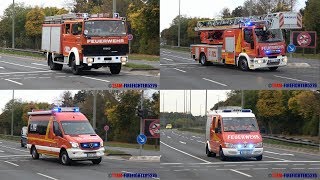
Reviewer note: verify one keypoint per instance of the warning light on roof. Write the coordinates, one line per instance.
(57, 109)
(246, 110)
(76, 109)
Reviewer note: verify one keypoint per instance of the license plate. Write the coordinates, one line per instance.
(92, 154)
(245, 152)
(274, 60)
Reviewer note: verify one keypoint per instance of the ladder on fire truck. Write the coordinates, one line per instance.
(58, 19)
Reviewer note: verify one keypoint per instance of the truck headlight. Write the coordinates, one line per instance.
(74, 144)
(259, 145)
(259, 61)
(101, 144)
(285, 59)
(123, 59)
(229, 145)
(90, 60)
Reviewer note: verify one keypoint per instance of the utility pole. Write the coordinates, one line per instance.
(184, 101)
(163, 102)
(141, 121)
(179, 28)
(12, 115)
(250, 8)
(176, 106)
(242, 99)
(190, 101)
(94, 118)
(114, 10)
(205, 110)
(218, 101)
(13, 14)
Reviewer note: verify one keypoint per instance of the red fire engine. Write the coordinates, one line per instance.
(246, 42)
(82, 41)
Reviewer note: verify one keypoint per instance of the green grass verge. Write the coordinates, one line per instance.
(308, 56)
(134, 146)
(144, 57)
(109, 152)
(182, 49)
(138, 66)
(9, 137)
(193, 130)
(293, 145)
(19, 53)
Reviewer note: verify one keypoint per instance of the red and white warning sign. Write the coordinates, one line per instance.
(152, 128)
(304, 39)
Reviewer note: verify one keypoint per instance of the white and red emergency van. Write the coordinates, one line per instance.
(233, 133)
(65, 133)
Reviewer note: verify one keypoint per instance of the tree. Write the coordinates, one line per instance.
(238, 12)
(311, 17)
(33, 26)
(225, 13)
(66, 99)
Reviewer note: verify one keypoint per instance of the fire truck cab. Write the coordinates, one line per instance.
(65, 133)
(82, 42)
(233, 133)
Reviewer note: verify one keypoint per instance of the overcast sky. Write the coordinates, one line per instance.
(169, 9)
(171, 98)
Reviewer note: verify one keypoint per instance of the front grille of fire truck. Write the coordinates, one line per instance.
(105, 50)
(90, 145)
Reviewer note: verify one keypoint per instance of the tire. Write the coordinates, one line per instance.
(259, 158)
(273, 68)
(222, 156)
(115, 68)
(203, 60)
(64, 158)
(54, 66)
(209, 153)
(243, 64)
(22, 145)
(97, 161)
(34, 153)
(76, 70)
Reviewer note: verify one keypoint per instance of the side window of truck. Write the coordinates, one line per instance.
(76, 28)
(213, 122)
(68, 30)
(38, 127)
(56, 129)
(247, 35)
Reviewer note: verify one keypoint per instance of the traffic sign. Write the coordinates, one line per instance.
(106, 128)
(291, 48)
(130, 37)
(116, 15)
(141, 139)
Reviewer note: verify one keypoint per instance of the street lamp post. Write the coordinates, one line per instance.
(13, 13)
(179, 27)
(114, 6)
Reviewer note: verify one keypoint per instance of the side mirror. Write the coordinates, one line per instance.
(217, 130)
(252, 44)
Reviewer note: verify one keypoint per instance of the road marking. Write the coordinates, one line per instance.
(275, 158)
(283, 77)
(14, 149)
(173, 64)
(214, 82)
(168, 137)
(40, 64)
(1, 151)
(282, 154)
(1, 67)
(182, 142)
(30, 77)
(59, 76)
(261, 163)
(185, 152)
(212, 166)
(44, 77)
(95, 79)
(14, 81)
(191, 139)
(240, 172)
(313, 168)
(247, 165)
(315, 164)
(278, 168)
(167, 59)
(182, 170)
(49, 177)
(297, 168)
(171, 163)
(229, 165)
(32, 72)
(201, 142)
(179, 70)
(282, 164)
(21, 65)
(259, 168)
(11, 163)
(298, 164)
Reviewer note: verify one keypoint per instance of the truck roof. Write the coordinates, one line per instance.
(233, 113)
(60, 114)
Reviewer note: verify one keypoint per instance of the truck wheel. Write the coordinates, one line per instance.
(222, 156)
(243, 64)
(115, 68)
(259, 158)
(55, 66)
(97, 161)
(203, 60)
(76, 70)
(64, 158)
(209, 153)
(34, 153)
(22, 145)
(273, 68)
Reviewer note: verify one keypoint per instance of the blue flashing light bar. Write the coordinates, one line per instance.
(246, 110)
(76, 109)
(66, 109)
(57, 109)
(227, 110)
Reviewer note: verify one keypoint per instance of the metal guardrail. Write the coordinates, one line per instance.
(23, 50)
(292, 140)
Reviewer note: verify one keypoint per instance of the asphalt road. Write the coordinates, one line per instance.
(180, 71)
(16, 164)
(183, 157)
(28, 73)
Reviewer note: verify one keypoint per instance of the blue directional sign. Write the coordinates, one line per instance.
(291, 48)
(141, 139)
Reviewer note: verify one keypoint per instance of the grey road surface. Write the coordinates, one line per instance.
(179, 71)
(16, 164)
(183, 157)
(28, 73)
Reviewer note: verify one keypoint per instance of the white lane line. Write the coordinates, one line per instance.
(282, 154)
(13, 81)
(297, 168)
(315, 164)
(283, 77)
(182, 142)
(241, 173)
(40, 64)
(21, 65)
(181, 170)
(201, 142)
(1, 151)
(60, 76)
(168, 137)
(31, 72)
(247, 165)
(173, 64)
(298, 164)
(278, 168)
(184, 152)
(282, 164)
(11, 163)
(30, 77)
(167, 59)
(212, 166)
(259, 168)
(229, 165)
(1, 67)
(275, 158)
(179, 70)
(49, 177)
(44, 77)
(214, 82)
(95, 79)
(14, 149)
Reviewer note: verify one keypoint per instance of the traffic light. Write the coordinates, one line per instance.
(140, 113)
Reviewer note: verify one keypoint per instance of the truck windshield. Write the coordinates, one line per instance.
(237, 124)
(77, 127)
(105, 28)
(271, 35)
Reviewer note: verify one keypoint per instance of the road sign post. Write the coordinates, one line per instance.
(106, 128)
(130, 38)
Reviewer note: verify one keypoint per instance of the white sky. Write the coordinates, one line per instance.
(169, 9)
(168, 99)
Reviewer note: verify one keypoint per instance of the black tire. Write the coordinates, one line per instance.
(203, 60)
(209, 153)
(76, 70)
(97, 161)
(115, 68)
(273, 68)
(64, 158)
(243, 64)
(259, 158)
(54, 66)
(22, 145)
(222, 156)
(34, 153)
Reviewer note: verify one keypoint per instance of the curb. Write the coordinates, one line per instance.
(145, 158)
